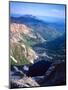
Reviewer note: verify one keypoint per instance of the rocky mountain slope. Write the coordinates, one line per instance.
(19, 47)
(24, 82)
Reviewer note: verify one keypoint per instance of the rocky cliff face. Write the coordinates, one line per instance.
(24, 82)
(21, 50)
(17, 30)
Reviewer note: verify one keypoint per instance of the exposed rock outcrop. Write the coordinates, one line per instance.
(24, 82)
(20, 49)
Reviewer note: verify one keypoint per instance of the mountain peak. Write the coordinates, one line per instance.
(29, 15)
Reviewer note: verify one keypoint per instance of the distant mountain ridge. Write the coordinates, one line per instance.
(37, 25)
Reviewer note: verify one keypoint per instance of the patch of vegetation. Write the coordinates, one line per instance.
(28, 40)
(18, 54)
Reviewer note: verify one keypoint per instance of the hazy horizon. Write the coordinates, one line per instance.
(46, 12)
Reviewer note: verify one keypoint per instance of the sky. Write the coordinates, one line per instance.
(47, 12)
